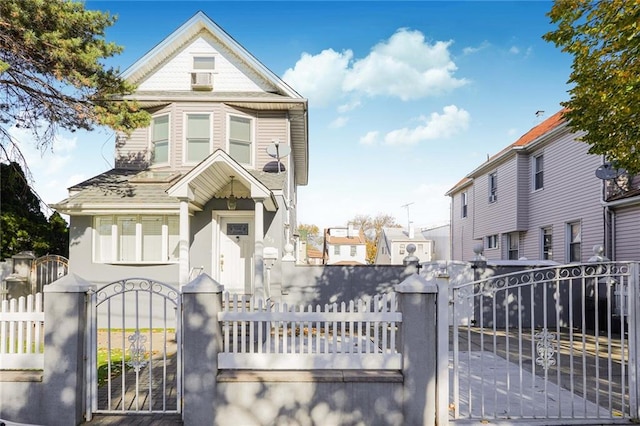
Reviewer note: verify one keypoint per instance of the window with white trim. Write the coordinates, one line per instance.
(353, 251)
(538, 172)
(401, 248)
(241, 139)
(136, 239)
(207, 63)
(547, 243)
(491, 242)
(493, 187)
(336, 250)
(198, 137)
(574, 242)
(160, 139)
(513, 243)
(464, 203)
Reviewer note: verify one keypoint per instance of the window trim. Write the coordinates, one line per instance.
(252, 145)
(185, 144)
(511, 237)
(543, 252)
(570, 243)
(151, 142)
(114, 247)
(464, 204)
(492, 184)
(202, 55)
(535, 172)
(492, 238)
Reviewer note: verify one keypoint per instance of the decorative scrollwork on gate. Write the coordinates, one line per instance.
(137, 351)
(546, 348)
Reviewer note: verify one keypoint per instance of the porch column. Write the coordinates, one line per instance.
(184, 242)
(259, 237)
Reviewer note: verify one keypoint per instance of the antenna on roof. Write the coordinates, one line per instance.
(539, 113)
(408, 216)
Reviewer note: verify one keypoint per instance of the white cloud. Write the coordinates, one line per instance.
(514, 50)
(471, 49)
(319, 77)
(404, 66)
(349, 106)
(371, 138)
(452, 121)
(47, 162)
(339, 122)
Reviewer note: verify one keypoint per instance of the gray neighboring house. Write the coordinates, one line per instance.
(196, 191)
(540, 198)
(432, 244)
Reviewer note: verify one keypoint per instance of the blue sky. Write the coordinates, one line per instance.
(405, 98)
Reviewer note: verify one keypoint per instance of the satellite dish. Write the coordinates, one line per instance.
(607, 172)
(277, 150)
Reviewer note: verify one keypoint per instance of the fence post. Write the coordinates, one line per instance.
(634, 339)
(201, 342)
(417, 341)
(65, 325)
(288, 264)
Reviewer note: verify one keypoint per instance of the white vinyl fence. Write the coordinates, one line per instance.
(359, 335)
(22, 333)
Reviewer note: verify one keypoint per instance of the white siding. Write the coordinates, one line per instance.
(230, 75)
(462, 241)
(627, 233)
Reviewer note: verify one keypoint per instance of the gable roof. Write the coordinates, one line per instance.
(532, 137)
(190, 29)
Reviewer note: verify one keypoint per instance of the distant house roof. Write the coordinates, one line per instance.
(314, 253)
(357, 239)
(400, 234)
(526, 140)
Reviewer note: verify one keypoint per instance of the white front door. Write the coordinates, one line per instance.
(236, 253)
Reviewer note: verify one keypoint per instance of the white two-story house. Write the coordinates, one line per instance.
(344, 246)
(541, 198)
(211, 184)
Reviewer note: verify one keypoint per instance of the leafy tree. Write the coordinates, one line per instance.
(604, 39)
(372, 229)
(312, 235)
(23, 226)
(52, 74)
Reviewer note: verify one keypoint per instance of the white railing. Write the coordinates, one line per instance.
(359, 335)
(21, 333)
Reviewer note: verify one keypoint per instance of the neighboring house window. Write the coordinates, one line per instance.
(547, 240)
(465, 203)
(198, 137)
(353, 251)
(240, 139)
(514, 246)
(160, 139)
(336, 250)
(491, 241)
(493, 187)
(136, 239)
(401, 248)
(420, 248)
(574, 240)
(538, 172)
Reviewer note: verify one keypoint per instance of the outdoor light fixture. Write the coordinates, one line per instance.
(232, 202)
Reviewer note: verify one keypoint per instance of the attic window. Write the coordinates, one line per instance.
(202, 75)
(204, 63)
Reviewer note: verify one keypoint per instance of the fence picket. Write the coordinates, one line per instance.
(21, 322)
(341, 331)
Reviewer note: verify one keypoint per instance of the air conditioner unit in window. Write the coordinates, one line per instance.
(493, 198)
(201, 81)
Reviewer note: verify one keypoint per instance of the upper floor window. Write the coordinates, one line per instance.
(514, 246)
(198, 137)
(336, 250)
(547, 240)
(491, 241)
(493, 187)
(574, 241)
(401, 248)
(136, 239)
(464, 204)
(354, 250)
(241, 139)
(207, 63)
(160, 139)
(538, 172)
